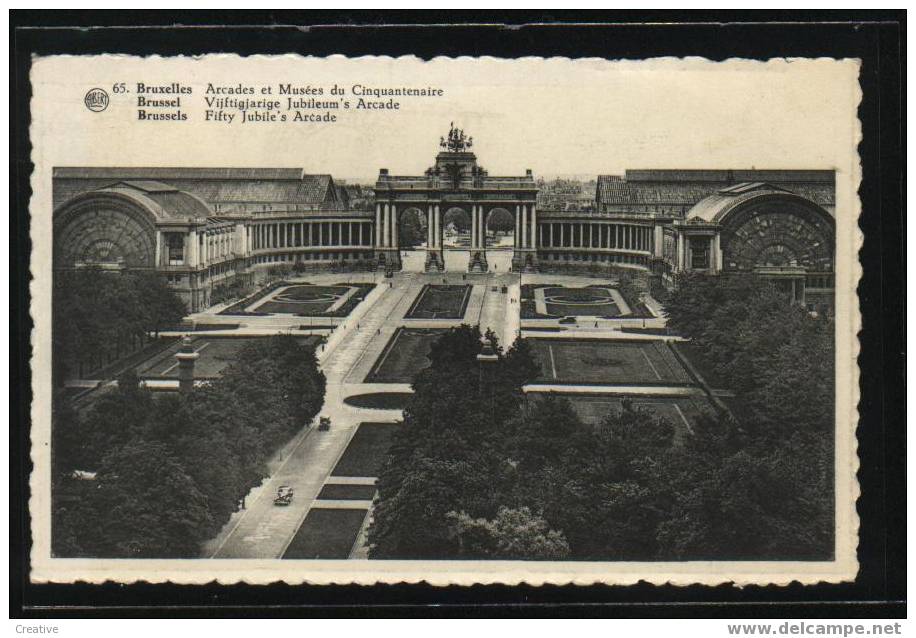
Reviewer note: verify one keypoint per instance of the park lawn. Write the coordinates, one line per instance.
(367, 449)
(326, 533)
(216, 353)
(440, 302)
(404, 356)
(680, 412)
(617, 362)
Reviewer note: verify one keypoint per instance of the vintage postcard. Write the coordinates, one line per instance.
(472, 320)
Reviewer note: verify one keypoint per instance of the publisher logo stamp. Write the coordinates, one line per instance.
(96, 100)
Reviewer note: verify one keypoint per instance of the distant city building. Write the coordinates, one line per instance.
(566, 194)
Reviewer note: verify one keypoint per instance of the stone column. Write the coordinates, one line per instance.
(191, 256)
(518, 226)
(386, 220)
(534, 226)
(393, 218)
(378, 225)
(473, 229)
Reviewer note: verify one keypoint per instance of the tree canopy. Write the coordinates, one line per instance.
(98, 316)
(171, 468)
(483, 470)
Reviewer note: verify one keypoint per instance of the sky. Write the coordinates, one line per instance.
(556, 116)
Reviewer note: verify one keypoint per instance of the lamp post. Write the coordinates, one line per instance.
(487, 357)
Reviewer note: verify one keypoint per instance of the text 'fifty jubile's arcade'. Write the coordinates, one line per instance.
(254, 104)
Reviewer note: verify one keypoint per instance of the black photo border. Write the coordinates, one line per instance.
(876, 37)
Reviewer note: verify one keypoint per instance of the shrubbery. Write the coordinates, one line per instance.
(170, 469)
(228, 290)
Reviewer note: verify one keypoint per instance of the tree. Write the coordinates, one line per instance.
(411, 230)
(513, 534)
(150, 506)
(98, 316)
(171, 468)
(501, 221)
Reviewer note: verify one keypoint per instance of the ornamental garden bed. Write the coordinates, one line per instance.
(380, 400)
(302, 300)
(593, 300)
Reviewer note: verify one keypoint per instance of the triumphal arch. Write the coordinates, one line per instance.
(456, 180)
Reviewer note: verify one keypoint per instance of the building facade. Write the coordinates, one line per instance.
(455, 182)
(206, 228)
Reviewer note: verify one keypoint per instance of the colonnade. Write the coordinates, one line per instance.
(217, 244)
(316, 233)
(601, 235)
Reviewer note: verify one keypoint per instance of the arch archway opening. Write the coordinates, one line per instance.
(412, 225)
(456, 228)
(500, 228)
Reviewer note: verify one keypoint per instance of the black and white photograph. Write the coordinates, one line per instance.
(362, 320)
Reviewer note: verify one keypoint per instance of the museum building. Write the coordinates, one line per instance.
(205, 227)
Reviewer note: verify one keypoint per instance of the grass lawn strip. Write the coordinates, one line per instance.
(440, 302)
(326, 533)
(608, 362)
(404, 355)
(366, 451)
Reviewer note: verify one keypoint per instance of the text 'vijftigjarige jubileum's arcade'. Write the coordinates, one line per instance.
(256, 104)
